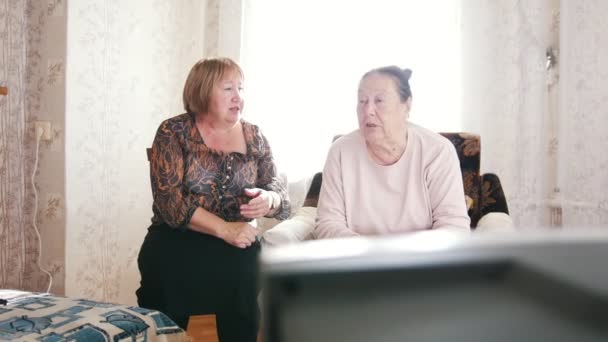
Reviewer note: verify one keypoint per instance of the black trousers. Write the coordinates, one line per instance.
(185, 273)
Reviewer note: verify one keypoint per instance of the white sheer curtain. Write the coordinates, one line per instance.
(303, 61)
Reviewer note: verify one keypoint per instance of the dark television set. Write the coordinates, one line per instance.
(437, 286)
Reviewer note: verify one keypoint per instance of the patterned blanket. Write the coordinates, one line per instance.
(49, 318)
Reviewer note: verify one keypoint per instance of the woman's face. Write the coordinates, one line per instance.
(382, 115)
(226, 102)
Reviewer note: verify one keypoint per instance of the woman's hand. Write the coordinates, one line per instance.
(239, 234)
(259, 205)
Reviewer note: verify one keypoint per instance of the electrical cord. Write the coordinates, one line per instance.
(39, 132)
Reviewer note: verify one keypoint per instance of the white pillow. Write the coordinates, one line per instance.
(296, 229)
(495, 222)
(297, 190)
(297, 193)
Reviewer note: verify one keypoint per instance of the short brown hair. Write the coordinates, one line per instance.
(202, 78)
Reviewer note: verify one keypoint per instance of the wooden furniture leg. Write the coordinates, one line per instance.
(202, 328)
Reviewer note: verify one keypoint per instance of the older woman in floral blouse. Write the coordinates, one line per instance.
(212, 175)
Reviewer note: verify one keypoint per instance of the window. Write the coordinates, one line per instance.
(303, 61)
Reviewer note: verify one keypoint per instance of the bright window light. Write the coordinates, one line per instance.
(303, 61)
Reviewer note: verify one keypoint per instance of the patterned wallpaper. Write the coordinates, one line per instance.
(32, 67)
(584, 113)
(540, 130)
(128, 64)
(212, 26)
(507, 99)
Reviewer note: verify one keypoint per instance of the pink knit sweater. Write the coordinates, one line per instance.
(422, 190)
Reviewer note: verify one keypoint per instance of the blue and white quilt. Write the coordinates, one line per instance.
(49, 318)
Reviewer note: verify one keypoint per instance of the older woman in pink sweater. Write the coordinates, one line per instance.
(389, 176)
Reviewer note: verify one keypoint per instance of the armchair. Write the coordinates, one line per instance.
(484, 195)
(484, 191)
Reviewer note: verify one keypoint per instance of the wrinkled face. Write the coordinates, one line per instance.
(382, 115)
(226, 102)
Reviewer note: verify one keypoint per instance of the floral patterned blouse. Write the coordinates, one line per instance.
(186, 174)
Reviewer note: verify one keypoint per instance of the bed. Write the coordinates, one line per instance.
(49, 318)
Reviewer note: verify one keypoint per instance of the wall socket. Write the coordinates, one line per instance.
(46, 129)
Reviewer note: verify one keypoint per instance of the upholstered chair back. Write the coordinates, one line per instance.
(484, 192)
